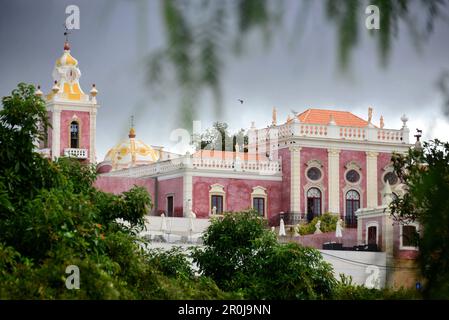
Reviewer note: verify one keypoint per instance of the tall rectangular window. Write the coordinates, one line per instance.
(170, 206)
(409, 236)
(74, 134)
(259, 205)
(217, 201)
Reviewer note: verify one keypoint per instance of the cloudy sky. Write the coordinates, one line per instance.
(298, 71)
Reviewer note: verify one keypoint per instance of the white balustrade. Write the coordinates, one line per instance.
(75, 153)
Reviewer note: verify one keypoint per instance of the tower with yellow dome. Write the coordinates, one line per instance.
(72, 112)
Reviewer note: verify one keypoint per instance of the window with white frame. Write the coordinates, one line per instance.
(259, 200)
(409, 235)
(217, 199)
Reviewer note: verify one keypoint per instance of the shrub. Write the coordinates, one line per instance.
(346, 290)
(328, 224)
(241, 255)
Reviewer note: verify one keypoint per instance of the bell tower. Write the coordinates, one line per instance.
(72, 113)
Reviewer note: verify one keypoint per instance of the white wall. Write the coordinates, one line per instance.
(362, 266)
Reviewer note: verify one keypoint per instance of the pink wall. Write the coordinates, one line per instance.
(359, 157)
(380, 224)
(238, 194)
(383, 159)
(286, 179)
(171, 187)
(401, 254)
(118, 185)
(308, 154)
(84, 122)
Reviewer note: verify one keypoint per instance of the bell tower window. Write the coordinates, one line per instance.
(74, 134)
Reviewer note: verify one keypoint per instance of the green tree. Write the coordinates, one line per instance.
(425, 173)
(51, 217)
(219, 138)
(241, 255)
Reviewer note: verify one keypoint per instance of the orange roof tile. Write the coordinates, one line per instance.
(322, 116)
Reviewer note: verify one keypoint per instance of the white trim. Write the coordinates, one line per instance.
(235, 175)
(346, 145)
(169, 176)
(187, 188)
(345, 190)
(260, 192)
(358, 169)
(323, 196)
(386, 171)
(310, 180)
(372, 224)
(401, 225)
(217, 189)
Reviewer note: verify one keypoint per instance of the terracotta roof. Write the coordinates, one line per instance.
(341, 118)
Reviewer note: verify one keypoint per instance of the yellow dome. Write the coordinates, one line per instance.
(66, 60)
(130, 153)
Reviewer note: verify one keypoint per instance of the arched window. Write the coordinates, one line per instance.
(74, 134)
(352, 204)
(313, 203)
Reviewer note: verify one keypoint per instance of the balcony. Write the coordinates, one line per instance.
(75, 153)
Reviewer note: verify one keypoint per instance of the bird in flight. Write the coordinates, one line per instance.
(240, 100)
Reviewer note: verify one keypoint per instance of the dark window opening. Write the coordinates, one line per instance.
(352, 204)
(313, 203)
(372, 235)
(409, 236)
(74, 135)
(170, 206)
(259, 206)
(217, 202)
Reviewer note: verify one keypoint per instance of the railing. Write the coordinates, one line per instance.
(263, 167)
(75, 153)
(373, 134)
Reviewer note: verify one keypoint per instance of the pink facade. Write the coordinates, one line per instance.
(383, 160)
(171, 187)
(83, 119)
(238, 194)
(378, 222)
(285, 156)
(118, 185)
(359, 157)
(320, 154)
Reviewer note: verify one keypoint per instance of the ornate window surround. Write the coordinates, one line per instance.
(78, 121)
(260, 192)
(314, 163)
(217, 190)
(345, 191)
(352, 165)
(387, 169)
(322, 189)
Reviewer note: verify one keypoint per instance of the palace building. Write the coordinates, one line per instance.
(316, 161)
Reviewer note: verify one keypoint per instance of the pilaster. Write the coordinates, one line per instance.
(334, 180)
(371, 180)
